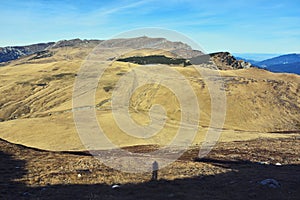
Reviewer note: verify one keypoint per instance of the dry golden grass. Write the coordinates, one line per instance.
(36, 102)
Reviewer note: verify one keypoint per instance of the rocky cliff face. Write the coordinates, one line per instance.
(220, 60)
(13, 53)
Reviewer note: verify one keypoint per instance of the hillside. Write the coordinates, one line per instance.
(36, 96)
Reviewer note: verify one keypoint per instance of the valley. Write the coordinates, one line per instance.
(44, 156)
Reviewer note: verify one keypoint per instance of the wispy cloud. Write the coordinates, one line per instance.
(236, 25)
(119, 8)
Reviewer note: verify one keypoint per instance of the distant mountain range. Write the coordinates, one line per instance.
(256, 56)
(289, 63)
(179, 52)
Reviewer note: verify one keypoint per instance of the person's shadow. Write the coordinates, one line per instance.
(154, 171)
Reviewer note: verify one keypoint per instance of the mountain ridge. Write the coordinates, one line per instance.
(224, 60)
(11, 53)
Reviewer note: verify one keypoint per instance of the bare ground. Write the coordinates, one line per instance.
(231, 171)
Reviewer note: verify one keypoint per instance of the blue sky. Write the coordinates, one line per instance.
(257, 26)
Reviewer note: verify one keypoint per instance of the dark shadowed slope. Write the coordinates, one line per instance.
(227, 173)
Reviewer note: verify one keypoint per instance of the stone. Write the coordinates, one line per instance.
(271, 183)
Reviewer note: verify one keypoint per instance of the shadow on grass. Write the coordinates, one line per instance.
(242, 182)
(10, 170)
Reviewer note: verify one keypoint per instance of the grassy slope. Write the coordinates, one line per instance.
(257, 102)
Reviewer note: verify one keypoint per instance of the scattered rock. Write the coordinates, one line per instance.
(81, 171)
(271, 183)
(171, 195)
(26, 194)
(116, 186)
(264, 163)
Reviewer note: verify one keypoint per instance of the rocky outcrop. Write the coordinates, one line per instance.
(221, 61)
(224, 61)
